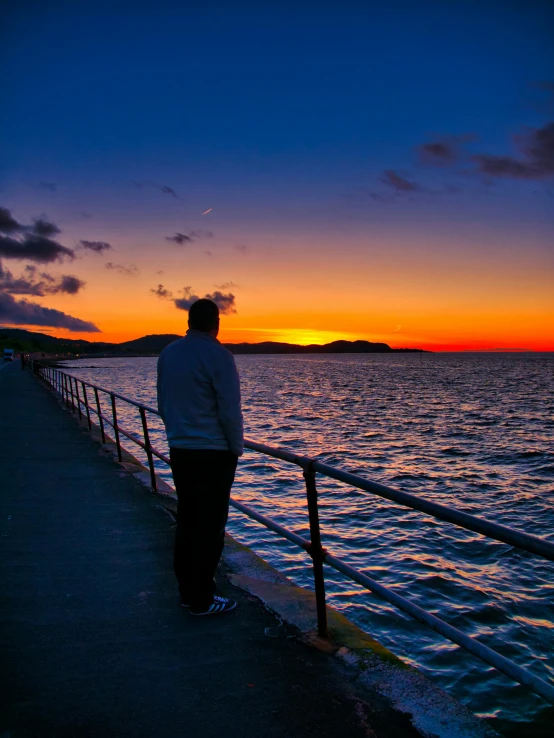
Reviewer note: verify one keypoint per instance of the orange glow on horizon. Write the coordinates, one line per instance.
(306, 336)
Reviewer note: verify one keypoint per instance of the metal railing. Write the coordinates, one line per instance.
(67, 386)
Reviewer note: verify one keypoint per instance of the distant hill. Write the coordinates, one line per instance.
(336, 347)
(153, 344)
(31, 342)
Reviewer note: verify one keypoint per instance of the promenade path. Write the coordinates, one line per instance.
(93, 639)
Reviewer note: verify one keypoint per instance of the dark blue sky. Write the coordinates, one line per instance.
(342, 88)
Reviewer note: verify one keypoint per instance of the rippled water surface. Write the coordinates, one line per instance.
(469, 430)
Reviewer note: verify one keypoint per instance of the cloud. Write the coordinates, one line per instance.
(181, 238)
(45, 228)
(38, 285)
(34, 248)
(209, 253)
(169, 191)
(536, 160)
(86, 216)
(225, 302)
(130, 270)
(445, 151)
(97, 246)
(51, 186)
(70, 284)
(165, 189)
(398, 183)
(242, 248)
(8, 224)
(226, 286)
(162, 292)
(184, 303)
(23, 312)
(438, 153)
(32, 242)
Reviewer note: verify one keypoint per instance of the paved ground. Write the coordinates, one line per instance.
(94, 642)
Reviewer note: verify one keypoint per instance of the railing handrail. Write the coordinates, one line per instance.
(525, 541)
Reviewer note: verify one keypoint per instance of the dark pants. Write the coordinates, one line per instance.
(203, 480)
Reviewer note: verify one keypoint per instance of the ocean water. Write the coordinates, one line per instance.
(475, 431)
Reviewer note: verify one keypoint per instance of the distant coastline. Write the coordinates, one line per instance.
(31, 342)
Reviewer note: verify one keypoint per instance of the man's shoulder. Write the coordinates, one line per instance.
(172, 347)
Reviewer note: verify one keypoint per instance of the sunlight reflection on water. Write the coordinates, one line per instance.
(475, 431)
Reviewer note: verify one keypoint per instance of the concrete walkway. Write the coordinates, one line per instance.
(94, 641)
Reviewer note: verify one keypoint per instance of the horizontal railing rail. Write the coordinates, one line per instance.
(67, 386)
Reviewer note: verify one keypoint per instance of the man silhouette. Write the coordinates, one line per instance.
(199, 401)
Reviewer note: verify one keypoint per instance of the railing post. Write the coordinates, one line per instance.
(116, 430)
(78, 399)
(148, 449)
(100, 418)
(69, 378)
(85, 397)
(66, 390)
(316, 551)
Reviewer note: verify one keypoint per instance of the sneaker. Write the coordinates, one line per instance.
(218, 606)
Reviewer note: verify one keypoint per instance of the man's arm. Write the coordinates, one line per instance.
(227, 387)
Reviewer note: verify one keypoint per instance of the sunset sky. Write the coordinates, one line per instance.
(382, 171)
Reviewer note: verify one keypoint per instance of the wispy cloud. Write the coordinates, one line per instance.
(163, 188)
(535, 160)
(242, 248)
(184, 238)
(129, 271)
(51, 186)
(97, 246)
(445, 151)
(227, 286)
(162, 292)
(532, 159)
(399, 183)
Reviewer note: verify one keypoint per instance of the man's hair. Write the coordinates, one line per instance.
(203, 315)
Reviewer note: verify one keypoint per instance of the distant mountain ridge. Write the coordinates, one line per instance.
(31, 342)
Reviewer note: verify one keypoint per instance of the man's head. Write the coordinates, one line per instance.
(204, 316)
